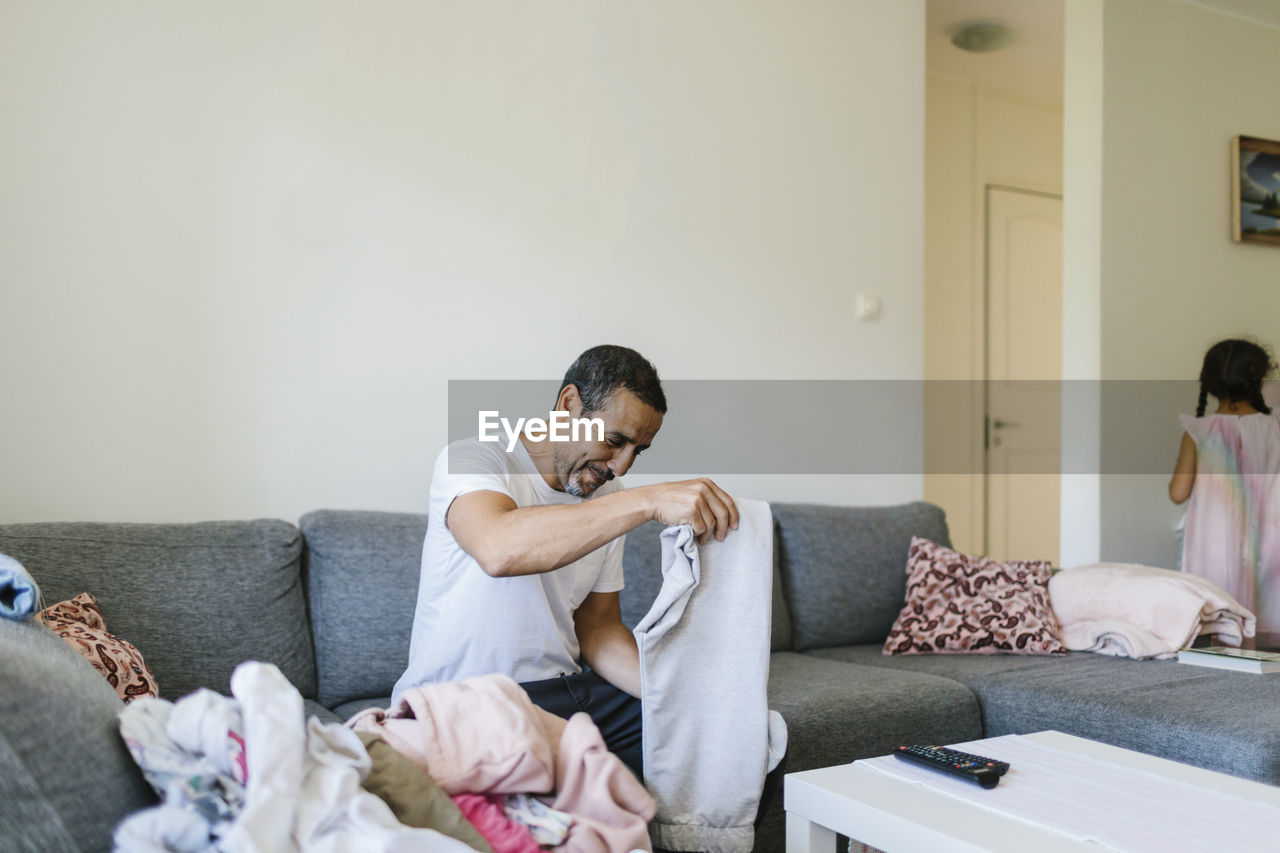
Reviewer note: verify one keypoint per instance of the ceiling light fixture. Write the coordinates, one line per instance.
(983, 36)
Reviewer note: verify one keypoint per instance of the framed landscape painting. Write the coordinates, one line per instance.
(1255, 190)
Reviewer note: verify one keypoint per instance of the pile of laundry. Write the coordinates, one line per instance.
(482, 740)
(456, 768)
(1136, 611)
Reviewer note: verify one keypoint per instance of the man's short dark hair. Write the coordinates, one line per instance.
(602, 370)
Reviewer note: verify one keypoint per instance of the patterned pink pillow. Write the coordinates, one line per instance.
(962, 604)
(79, 622)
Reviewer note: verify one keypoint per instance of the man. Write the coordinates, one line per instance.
(522, 562)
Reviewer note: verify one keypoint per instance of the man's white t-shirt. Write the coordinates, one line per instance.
(468, 623)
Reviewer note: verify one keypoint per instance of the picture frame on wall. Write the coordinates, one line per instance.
(1255, 190)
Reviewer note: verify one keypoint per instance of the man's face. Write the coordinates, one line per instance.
(581, 467)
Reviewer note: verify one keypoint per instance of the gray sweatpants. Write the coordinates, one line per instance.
(709, 737)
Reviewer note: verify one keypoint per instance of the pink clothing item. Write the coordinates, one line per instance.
(485, 813)
(1233, 519)
(611, 809)
(1136, 611)
(481, 735)
(484, 736)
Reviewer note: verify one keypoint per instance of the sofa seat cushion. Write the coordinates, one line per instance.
(347, 710)
(312, 708)
(66, 778)
(1224, 721)
(837, 712)
(196, 599)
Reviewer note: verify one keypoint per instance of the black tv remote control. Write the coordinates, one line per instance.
(977, 768)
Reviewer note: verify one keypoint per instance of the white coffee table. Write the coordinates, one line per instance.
(893, 814)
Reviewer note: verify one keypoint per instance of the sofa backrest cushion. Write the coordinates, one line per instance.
(362, 582)
(844, 568)
(196, 599)
(642, 571)
(66, 778)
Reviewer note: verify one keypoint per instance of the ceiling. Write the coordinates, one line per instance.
(1032, 65)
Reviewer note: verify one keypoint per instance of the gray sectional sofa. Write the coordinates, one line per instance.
(331, 600)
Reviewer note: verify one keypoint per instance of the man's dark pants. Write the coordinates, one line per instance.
(615, 712)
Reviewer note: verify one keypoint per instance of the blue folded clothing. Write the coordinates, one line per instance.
(19, 595)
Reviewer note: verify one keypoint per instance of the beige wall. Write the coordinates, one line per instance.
(1175, 83)
(245, 246)
(974, 137)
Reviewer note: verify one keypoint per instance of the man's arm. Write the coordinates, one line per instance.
(607, 646)
(507, 540)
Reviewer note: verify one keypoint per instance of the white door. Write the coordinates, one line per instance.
(1024, 372)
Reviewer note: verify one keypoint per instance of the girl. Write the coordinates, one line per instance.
(1227, 465)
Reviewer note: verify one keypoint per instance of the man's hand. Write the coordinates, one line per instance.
(699, 503)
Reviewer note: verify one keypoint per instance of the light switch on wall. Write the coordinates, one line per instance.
(866, 306)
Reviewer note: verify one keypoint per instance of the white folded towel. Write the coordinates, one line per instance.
(1131, 610)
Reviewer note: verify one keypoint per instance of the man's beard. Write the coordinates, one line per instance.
(574, 487)
(573, 480)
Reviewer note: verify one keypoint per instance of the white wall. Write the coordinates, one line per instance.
(1177, 82)
(244, 246)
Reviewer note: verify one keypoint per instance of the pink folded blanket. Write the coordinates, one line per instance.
(1136, 611)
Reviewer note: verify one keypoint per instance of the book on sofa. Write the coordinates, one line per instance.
(1226, 657)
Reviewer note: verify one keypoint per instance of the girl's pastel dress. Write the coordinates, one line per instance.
(1233, 519)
